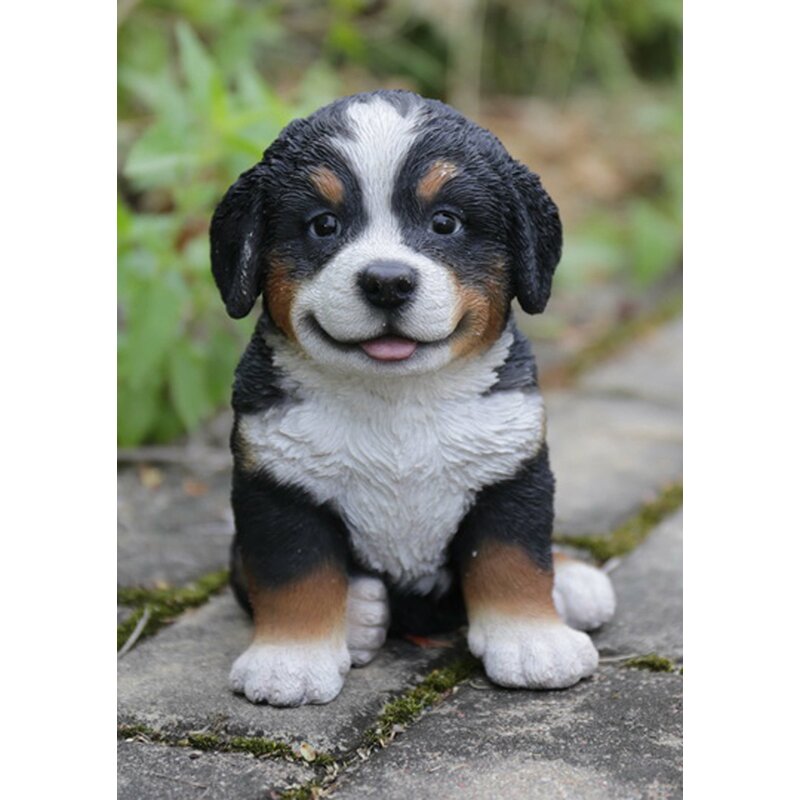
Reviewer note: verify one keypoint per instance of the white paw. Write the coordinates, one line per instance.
(533, 655)
(291, 674)
(367, 618)
(582, 594)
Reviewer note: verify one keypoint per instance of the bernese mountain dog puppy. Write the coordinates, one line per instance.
(390, 464)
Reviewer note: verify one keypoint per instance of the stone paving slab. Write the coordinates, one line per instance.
(178, 681)
(616, 437)
(650, 369)
(649, 586)
(158, 772)
(613, 737)
(609, 455)
(175, 531)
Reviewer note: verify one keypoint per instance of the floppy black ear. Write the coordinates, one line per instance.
(237, 242)
(535, 240)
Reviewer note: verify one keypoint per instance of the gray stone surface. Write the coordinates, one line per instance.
(650, 369)
(175, 531)
(649, 586)
(616, 437)
(615, 736)
(609, 456)
(178, 681)
(123, 612)
(158, 772)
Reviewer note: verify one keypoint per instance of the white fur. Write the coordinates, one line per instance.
(531, 654)
(367, 618)
(401, 460)
(291, 673)
(380, 140)
(583, 595)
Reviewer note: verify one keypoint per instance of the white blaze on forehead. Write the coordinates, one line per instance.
(381, 140)
(378, 143)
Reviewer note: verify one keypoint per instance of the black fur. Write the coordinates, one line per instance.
(519, 369)
(281, 534)
(518, 511)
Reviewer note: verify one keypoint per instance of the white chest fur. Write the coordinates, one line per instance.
(401, 465)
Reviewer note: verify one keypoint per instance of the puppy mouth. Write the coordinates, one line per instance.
(387, 348)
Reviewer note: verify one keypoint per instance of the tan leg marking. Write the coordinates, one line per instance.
(328, 184)
(313, 607)
(503, 579)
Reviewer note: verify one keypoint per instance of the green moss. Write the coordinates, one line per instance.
(632, 532)
(308, 791)
(651, 662)
(611, 342)
(164, 605)
(259, 746)
(203, 740)
(403, 710)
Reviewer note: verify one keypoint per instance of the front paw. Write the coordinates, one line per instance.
(291, 674)
(532, 654)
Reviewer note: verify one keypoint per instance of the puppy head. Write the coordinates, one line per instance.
(388, 234)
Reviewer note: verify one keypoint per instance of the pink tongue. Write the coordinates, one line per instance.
(389, 348)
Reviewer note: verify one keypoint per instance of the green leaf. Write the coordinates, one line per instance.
(153, 323)
(655, 242)
(137, 410)
(160, 156)
(197, 68)
(188, 387)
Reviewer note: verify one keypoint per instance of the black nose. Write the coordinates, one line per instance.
(388, 284)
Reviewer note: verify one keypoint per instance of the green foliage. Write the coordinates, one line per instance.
(206, 120)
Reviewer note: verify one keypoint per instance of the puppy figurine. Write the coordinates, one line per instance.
(389, 440)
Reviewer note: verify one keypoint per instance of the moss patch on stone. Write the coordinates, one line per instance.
(403, 710)
(611, 342)
(210, 741)
(164, 605)
(633, 531)
(652, 662)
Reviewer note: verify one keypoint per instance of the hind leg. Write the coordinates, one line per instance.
(367, 618)
(583, 594)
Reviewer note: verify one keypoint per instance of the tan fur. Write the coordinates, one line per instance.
(281, 290)
(503, 579)
(482, 313)
(327, 183)
(432, 181)
(310, 608)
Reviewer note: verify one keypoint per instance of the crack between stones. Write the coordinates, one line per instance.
(162, 606)
(631, 533)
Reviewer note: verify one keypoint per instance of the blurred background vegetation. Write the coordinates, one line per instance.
(587, 93)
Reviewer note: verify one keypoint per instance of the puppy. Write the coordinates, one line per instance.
(389, 440)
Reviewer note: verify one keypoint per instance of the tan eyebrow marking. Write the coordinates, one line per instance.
(432, 181)
(328, 184)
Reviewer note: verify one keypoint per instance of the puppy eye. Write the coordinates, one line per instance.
(324, 225)
(444, 223)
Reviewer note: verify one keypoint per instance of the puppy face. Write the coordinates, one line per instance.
(388, 235)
